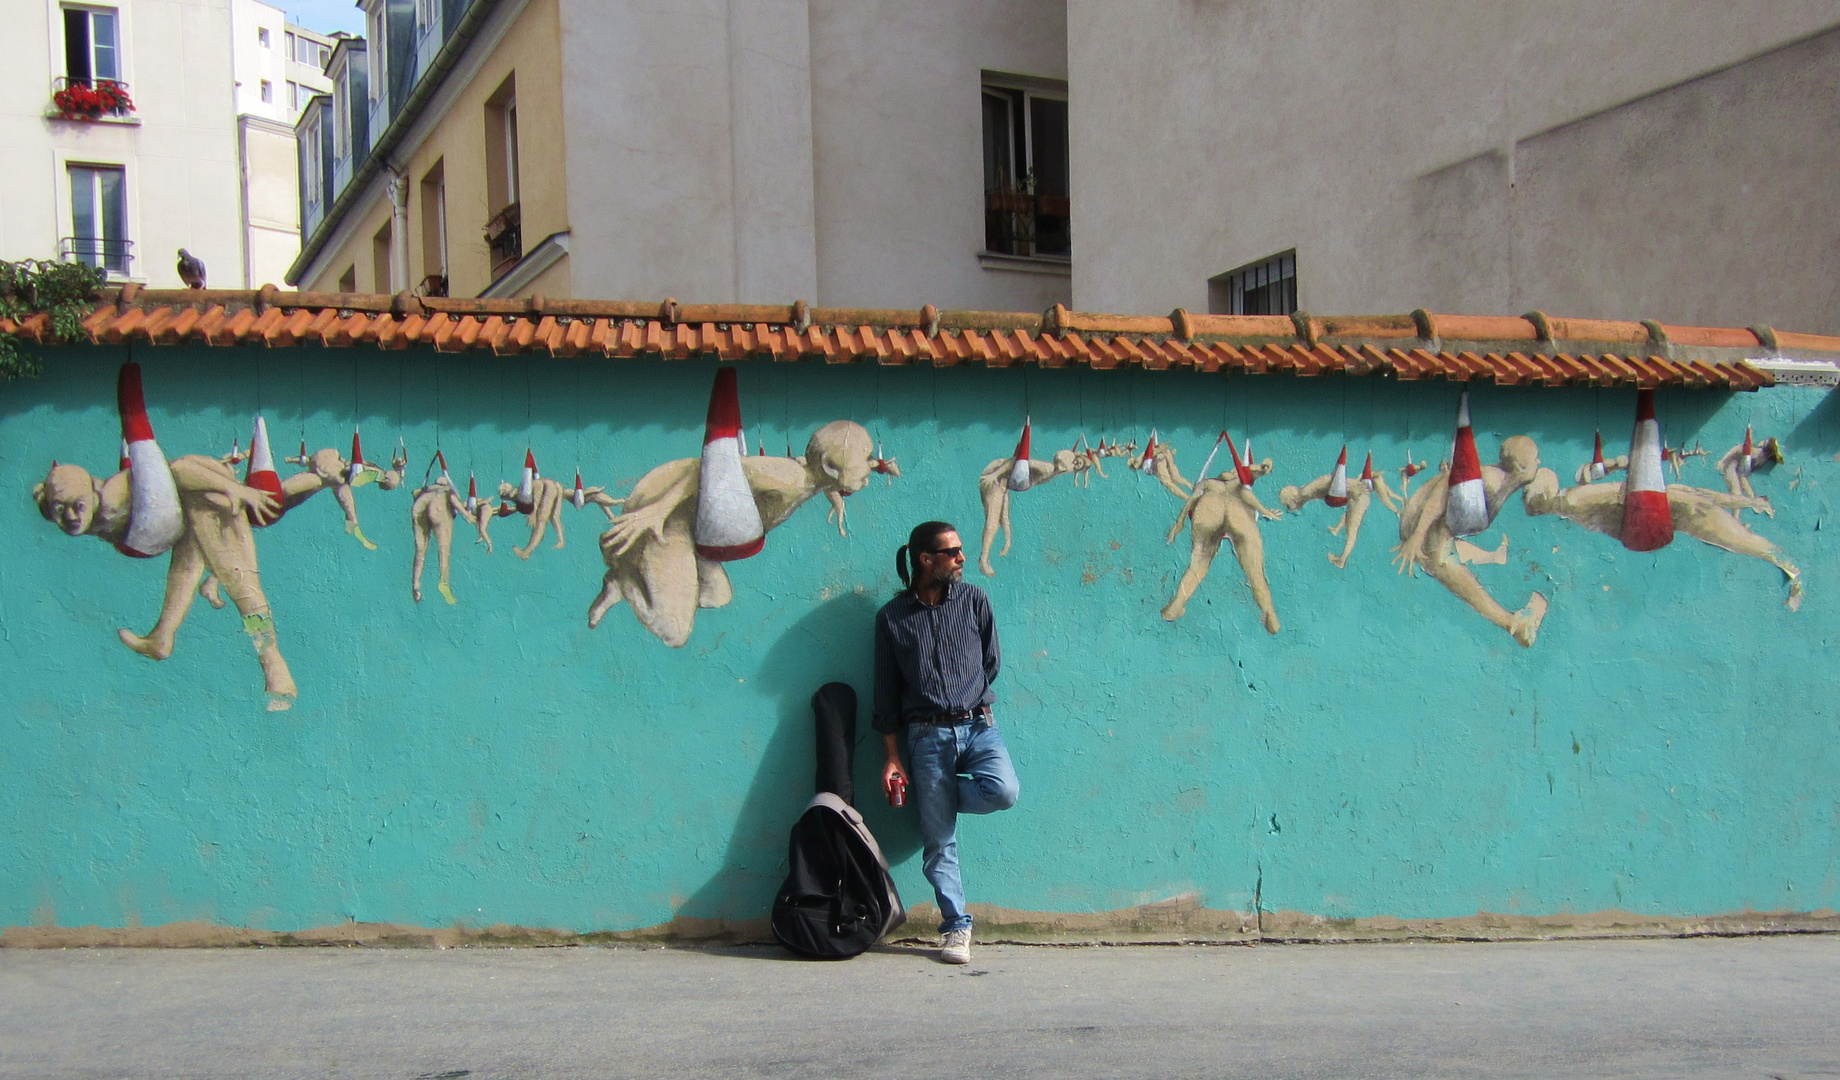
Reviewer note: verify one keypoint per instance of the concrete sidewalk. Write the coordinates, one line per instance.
(1750, 1007)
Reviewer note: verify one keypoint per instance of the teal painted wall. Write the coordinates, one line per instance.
(1667, 746)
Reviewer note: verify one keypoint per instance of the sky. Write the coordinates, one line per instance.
(324, 15)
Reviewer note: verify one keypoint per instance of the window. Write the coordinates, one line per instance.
(268, 92)
(262, 37)
(434, 231)
(99, 217)
(1026, 206)
(323, 57)
(348, 281)
(1266, 287)
(380, 261)
(293, 96)
(289, 43)
(92, 45)
(378, 50)
(504, 232)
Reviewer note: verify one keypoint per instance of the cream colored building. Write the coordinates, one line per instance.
(722, 150)
(127, 187)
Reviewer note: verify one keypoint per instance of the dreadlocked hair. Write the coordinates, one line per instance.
(919, 541)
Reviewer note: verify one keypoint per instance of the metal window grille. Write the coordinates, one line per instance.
(1267, 287)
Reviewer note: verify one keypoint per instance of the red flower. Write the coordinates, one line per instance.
(82, 101)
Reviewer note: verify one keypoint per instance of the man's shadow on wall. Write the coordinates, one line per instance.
(834, 642)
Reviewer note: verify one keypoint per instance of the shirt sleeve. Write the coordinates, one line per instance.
(886, 716)
(993, 656)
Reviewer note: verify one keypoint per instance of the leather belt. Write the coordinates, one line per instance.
(950, 717)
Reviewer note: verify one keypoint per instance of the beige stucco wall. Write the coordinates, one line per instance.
(1209, 133)
(456, 137)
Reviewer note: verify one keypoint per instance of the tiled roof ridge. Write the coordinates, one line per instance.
(1535, 349)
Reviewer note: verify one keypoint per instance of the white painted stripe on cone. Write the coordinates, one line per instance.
(154, 520)
(728, 524)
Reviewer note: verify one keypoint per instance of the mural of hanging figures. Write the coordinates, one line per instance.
(666, 554)
(1352, 499)
(1704, 514)
(341, 476)
(195, 508)
(437, 505)
(1461, 501)
(1018, 472)
(1224, 508)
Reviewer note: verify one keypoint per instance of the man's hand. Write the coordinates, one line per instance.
(892, 768)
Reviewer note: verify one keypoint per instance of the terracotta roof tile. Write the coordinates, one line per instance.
(1531, 350)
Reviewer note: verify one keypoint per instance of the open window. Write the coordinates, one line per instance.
(92, 45)
(1027, 209)
(504, 230)
(434, 231)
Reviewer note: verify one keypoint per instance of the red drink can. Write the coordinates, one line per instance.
(897, 790)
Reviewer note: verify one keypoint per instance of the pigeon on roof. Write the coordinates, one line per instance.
(191, 270)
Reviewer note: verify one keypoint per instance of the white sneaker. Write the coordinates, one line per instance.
(956, 949)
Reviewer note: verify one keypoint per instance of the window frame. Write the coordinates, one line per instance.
(118, 16)
(1227, 292)
(65, 164)
(264, 38)
(1019, 93)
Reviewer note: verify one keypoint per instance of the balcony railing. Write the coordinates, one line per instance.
(90, 99)
(505, 238)
(1021, 223)
(112, 256)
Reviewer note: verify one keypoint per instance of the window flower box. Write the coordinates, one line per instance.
(80, 100)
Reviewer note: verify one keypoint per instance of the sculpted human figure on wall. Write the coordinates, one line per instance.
(650, 549)
(1225, 508)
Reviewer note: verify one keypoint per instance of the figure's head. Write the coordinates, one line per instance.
(506, 489)
(1065, 460)
(840, 457)
(1520, 458)
(935, 553)
(69, 498)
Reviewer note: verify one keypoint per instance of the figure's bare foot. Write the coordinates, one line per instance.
(985, 568)
(522, 553)
(447, 594)
(208, 589)
(417, 590)
(1338, 562)
(280, 702)
(1271, 622)
(1525, 624)
(1174, 611)
(151, 648)
(610, 595)
(1794, 603)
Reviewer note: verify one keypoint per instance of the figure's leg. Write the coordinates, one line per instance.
(342, 493)
(244, 584)
(1249, 546)
(987, 780)
(609, 596)
(712, 585)
(1200, 558)
(421, 553)
(481, 519)
(1007, 536)
(556, 519)
(932, 756)
(182, 577)
(1524, 624)
(995, 497)
(1351, 521)
(208, 590)
(539, 524)
(443, 548)
(1723, 530)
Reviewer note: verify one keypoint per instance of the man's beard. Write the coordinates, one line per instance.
(952, 576)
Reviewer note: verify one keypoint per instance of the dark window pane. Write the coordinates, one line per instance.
(76, 45)
(998, 173)
(1048, 127)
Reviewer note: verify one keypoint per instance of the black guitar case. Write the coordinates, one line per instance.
(838, 898)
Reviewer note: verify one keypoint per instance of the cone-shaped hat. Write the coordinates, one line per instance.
(728, 525)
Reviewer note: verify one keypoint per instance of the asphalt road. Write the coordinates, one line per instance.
(1750, 1007)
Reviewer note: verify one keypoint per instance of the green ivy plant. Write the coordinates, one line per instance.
(66, 291)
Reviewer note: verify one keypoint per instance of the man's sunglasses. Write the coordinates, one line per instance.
(950, 553)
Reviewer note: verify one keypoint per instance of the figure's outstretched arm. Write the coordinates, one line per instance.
(1392, 500)
(836, 511)
(1247, 496)
(634, 525)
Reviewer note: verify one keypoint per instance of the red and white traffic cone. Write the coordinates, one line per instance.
(445, 479)
(1598, 469)
(1368, 476)
(1020, 478)
(1466, 512)
(154, 519)
(1241, 469)
(355, 467)
(1209, 463)
(526, 498)
(262, 476)
(1338, 482)
(580, 497)
(1648, 523)
(1251, 477)
(1747, 460)
(1147, 465)
(472, 494)
(728, 525)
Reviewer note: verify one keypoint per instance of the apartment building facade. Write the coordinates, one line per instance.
(749, 151)
(279, 68)
(118, 153)
(1669, 161)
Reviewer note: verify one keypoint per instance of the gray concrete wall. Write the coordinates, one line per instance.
(1381, 143)
(758, 151)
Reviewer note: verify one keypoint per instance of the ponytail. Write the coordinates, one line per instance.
(900, 566)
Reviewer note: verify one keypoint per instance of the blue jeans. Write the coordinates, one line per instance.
(955, 769)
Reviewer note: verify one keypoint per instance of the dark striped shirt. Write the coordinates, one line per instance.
(929, 659)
